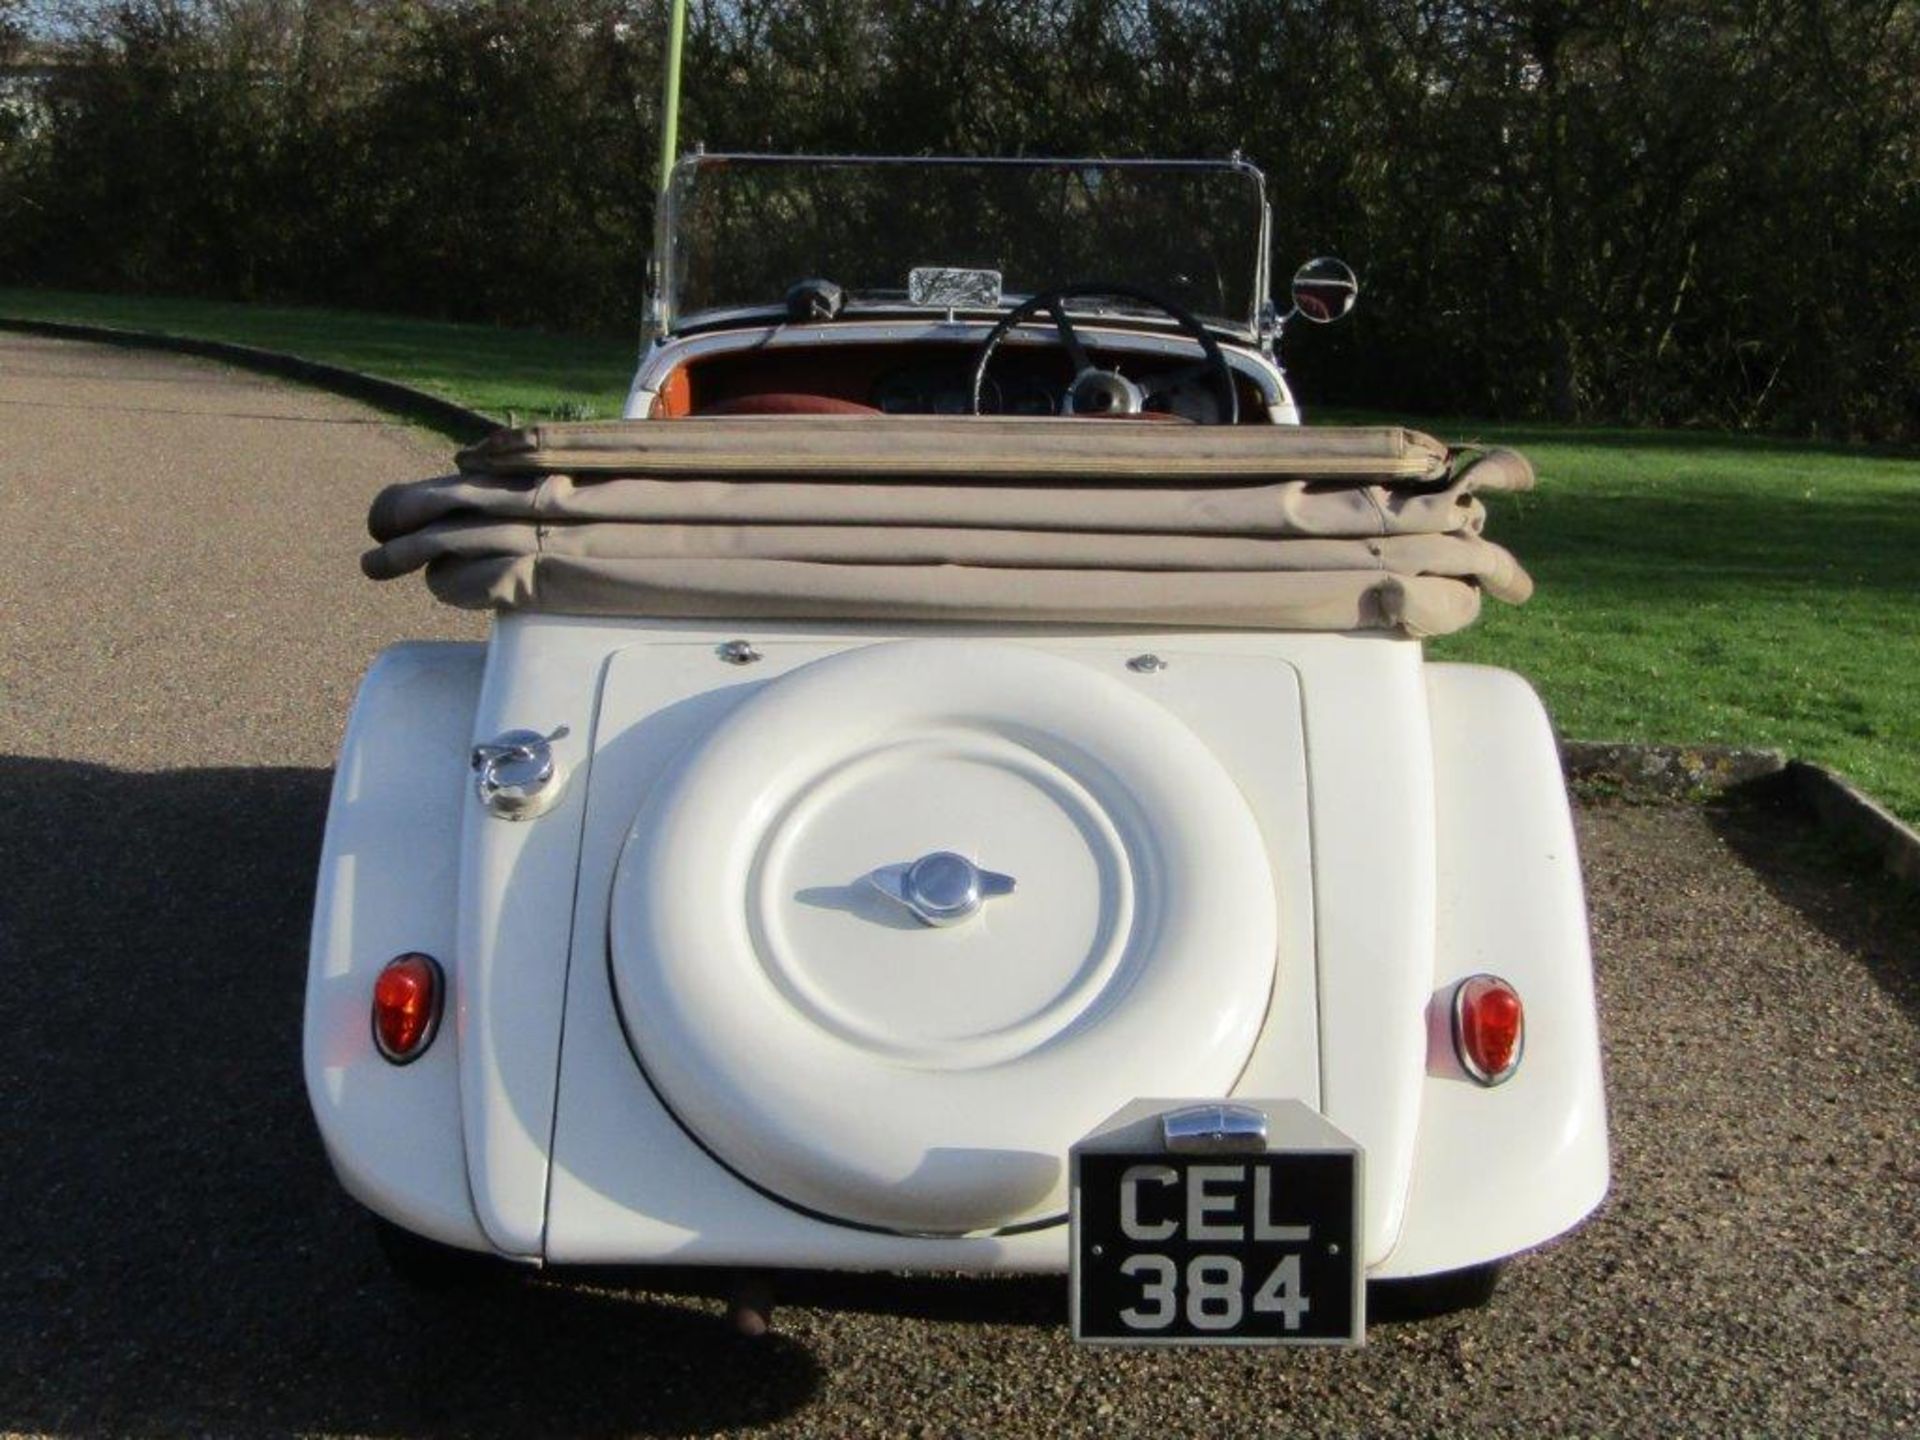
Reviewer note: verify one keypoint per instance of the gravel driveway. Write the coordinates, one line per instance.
(172, 685)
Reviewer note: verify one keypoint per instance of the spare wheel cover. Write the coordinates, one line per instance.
(829, 1047)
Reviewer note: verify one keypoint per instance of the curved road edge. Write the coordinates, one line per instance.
(1831, 801)
(390, 395)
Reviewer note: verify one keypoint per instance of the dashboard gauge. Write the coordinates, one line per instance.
(1026, 397)
(1193, 400)
(931, 390)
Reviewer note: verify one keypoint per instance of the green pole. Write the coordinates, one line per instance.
(670, 97)
(657, 318)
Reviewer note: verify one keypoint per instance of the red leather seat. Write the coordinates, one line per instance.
(784, 402)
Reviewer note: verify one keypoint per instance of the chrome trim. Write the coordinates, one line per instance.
(734, 317)
(1467, 1063)
(738, 652)
(387, 1053)
(1220, 1129)
(516, 775)
(1102, 392)
(942, 888)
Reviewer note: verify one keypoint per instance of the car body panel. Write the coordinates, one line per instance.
(517, 880)
(1372, 772)
(1383, 750)
(609, 1188)
(389, 883)
(1528, 1159)
(601, 1089)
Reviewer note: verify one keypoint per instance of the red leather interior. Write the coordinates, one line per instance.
(786, 402)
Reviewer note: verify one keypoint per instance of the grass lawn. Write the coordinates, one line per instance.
(1707, 588)
(1692, 588)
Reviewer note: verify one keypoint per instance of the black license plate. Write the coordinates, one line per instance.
(1217, 1249)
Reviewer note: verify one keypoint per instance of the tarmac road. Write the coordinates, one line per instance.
(181, 625)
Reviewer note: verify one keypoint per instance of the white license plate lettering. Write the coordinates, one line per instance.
(1214, 1301)
(1159, 1277)
(1212, 1200)
(1211, 1292)
(1281, 1294)
(1132, 1184)
(1263, 1227)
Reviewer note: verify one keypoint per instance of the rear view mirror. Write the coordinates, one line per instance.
(1324, 290)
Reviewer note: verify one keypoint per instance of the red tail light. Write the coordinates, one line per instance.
(406, 1007)
(1489, 1028)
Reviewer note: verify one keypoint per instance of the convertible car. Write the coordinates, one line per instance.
(954, 784)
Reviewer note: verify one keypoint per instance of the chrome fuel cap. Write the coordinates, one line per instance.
(942, 888)
(516, 775)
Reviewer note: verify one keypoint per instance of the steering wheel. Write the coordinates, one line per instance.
(1098, 392)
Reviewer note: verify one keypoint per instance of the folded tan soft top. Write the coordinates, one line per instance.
(978, 448)
(912, 518)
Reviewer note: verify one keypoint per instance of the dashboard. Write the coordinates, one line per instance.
(946, 388)
(926, 378)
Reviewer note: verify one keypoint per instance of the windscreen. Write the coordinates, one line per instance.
(740, 230)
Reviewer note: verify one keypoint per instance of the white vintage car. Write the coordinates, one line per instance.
(954, 785)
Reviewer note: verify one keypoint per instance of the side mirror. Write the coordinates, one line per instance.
(1324, 290)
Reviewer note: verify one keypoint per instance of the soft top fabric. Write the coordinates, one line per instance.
(980, 448)
(931, 518)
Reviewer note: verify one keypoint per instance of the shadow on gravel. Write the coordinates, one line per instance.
(1036, 1300)
(182, 1260)
(1842, 894)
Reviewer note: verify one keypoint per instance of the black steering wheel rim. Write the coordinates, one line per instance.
(1053, 302)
